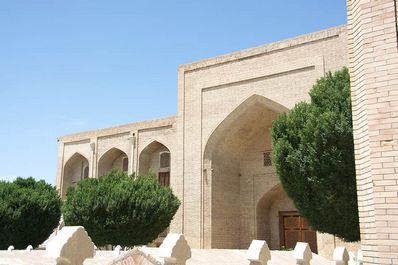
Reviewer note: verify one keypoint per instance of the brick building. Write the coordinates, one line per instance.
(214, 153)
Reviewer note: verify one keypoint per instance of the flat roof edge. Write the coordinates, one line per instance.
(266, 48)
(123, 128)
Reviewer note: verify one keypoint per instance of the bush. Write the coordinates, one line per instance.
(118, 209)
(29, 212)
(313, 152)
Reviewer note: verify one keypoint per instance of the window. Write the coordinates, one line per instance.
(164, 178)
(267, 161)
(85, 172)
(164, 160)
(125, 164)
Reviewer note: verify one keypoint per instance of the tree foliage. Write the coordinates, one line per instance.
(29, 212)
(119, 209)
(313, 152)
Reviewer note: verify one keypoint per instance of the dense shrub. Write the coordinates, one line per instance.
(313, 152)
(119, 209)
(29, 212)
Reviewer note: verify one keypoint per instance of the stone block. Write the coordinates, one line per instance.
(175, 249)
(117, 250)
(71, 246)
(340, 256)
(352, 258)
(258, 253)
(359, 257)
(302, 253)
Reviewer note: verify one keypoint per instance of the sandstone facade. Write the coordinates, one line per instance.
(219, 142)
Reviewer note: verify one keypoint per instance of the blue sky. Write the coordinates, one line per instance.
(68, 66)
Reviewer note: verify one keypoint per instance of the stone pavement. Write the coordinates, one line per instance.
(199, 257)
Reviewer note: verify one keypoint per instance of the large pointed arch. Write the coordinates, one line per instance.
(232, 159)
(237, 114)
(155, 158)
(75, 169)
(114, 158)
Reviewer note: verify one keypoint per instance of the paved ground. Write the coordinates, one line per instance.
(238, 257)
(199, 257)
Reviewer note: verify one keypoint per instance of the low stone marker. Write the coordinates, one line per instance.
(71, 246)
(10, 248)
(29, 248)
(117, 250)
(302, 253)
(352, 258)
(359, 257)
(175, 249)
(258, 253)
(340, 256)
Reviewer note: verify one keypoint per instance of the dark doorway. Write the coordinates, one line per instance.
(294, 228)
(164, 178)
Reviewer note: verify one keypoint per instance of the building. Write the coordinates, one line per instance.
(373, 56)
(215, 154)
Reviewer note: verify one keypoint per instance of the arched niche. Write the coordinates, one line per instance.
(280, 224)
(155, 158)
(113, 159)
(75, 169)
(234, 163)
(273, 202)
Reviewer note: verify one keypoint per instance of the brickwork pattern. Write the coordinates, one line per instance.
(373, 59)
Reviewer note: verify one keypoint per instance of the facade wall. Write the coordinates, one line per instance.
(372, 27)
(210, 90)
(129, 139)
(226, 106)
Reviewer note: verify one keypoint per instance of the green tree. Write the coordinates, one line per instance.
(313, 152)
(119, 209)
(29, 212)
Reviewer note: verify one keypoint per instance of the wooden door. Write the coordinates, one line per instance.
(164, 178)
(294, 228)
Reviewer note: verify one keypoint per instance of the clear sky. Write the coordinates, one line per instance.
(69, 66)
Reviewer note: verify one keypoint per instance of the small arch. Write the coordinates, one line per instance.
(271, 211)
(114, 158)
(155, 158)
(75, 169)
(264, 219)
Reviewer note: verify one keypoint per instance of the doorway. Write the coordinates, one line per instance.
(294, 228)
(164, 178)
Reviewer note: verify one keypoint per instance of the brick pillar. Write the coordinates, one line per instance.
(373, 53)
